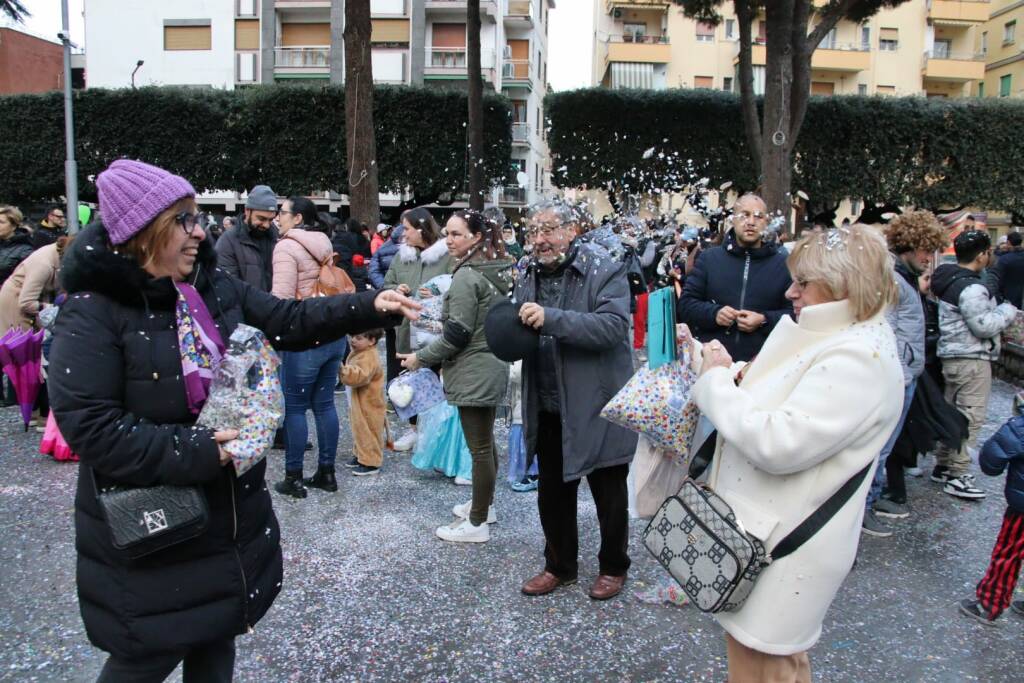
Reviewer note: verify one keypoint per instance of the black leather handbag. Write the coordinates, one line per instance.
(145, 519)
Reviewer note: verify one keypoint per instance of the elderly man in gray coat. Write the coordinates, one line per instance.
(577, 297)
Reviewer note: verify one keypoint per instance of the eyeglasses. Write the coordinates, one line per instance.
(188, 221)
(748, 215)
(280, 211)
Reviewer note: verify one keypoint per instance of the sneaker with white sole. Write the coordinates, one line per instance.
(407, 442)
(963, 487)
(873, 526)
(974, 610)
(940, 474)
(884, 507)
(914, 471)
(462, 481)
(464, 532)
(462, 512)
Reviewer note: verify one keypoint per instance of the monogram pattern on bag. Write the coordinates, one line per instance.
(691, 536)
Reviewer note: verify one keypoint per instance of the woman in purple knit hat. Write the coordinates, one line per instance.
(124, 398)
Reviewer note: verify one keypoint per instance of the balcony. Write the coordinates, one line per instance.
(298, 4)
(952, 67)
(450, 63)
(958, 12)
(611, 5)
(520, 133)
(388, 8)
(516, 71)
(639, 49)
(513, 195)
(302, 60)
(844, 57)
(488, 8)
(518, 13)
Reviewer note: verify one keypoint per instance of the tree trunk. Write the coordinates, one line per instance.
(360, 142)
(748, 103)
(475, 117)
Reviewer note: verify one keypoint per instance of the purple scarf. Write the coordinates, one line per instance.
(200, 345)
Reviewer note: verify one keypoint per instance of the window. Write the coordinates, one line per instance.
(187, 34)
(762, 33)
(705, 32)
(1009, 32)
(727, 84)
(518, 111)
(703, 82)
(865, 37)
(829, 41)
(1004, 86)
(941, 50)
(889, 39)
(886, 90)
(635, 30)
(247, 34)
(730, 29)
(862, 88)
(984, 42)
(981, 88)
(822, 88)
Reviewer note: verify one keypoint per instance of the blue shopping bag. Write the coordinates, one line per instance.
(661, 327)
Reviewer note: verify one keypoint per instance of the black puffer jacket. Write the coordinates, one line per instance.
(348, 244)
(117, 394)
(13, 251)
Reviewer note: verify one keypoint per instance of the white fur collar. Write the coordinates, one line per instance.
(432, 254)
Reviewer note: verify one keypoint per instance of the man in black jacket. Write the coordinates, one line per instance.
(246, 251)
(50, 228)
(736, 292)
(1010, 269)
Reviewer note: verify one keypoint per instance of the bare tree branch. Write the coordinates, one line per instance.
(746, 75)
(834, 11)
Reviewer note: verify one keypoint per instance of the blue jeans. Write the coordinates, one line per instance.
(879, 480)
(308, 379)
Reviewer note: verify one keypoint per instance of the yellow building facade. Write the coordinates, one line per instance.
(1001, 40)
(921, 47)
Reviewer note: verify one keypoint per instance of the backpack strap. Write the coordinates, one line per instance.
(820, 517)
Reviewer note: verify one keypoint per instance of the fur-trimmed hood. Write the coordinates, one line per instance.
(432, 254)
(91, 265)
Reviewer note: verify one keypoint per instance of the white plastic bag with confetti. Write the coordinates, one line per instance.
(245, 394)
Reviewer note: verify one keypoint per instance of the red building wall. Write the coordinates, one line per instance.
(29, 64)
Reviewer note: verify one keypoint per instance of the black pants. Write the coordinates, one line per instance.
(394, 367)
(556, 500)
(210, 663)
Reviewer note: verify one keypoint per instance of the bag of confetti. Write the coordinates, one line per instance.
(245, 394)
(412, 393)
(657, 404)
(1014, 332)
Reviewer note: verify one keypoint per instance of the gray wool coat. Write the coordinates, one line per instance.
(590, 330)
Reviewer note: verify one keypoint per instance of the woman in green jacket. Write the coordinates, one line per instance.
(474, 380)
(422, 255)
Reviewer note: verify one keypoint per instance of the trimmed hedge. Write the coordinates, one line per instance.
(910, 150)
(289, 137)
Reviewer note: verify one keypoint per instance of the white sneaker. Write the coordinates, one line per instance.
(462, 512)
(407, 442)
(464, 532)
(461, 481)
(914, 471)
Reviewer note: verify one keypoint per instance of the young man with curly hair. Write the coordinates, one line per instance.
(913, 238)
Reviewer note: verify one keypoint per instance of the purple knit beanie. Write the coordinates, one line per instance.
(133, 193)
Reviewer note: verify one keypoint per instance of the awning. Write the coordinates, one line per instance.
(955, 23)
(889, 34)
(632, 75)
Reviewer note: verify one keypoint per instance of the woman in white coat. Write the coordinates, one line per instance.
(807, 414)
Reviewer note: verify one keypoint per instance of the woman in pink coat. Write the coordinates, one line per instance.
(307, 377)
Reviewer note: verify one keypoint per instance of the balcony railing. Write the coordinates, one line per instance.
(611, 5)
(454, 58)
(513, 195)
(844, 47)
(520, 132)
(388, 8)
(519, 9)
(516, 70)
(303, 56)
(942, 53)
(639, 38)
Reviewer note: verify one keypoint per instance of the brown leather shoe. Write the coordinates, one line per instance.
(605, 587)
(544, 583)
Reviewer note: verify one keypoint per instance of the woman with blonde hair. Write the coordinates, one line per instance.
(15, 240)
(807, 415)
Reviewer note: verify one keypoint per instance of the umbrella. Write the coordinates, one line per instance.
(21, 355)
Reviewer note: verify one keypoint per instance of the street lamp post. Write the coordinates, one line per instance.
(138, 65)
(70, 166)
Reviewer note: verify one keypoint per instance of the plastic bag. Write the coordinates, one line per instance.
(1014, 332)
(657, 474)
(428, 326)
(657, 404)
(245, 394)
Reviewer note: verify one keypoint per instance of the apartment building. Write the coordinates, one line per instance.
(921, 47)
(1001, 41)
(237, 43)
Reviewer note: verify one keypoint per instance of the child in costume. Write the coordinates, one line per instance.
(363, 373)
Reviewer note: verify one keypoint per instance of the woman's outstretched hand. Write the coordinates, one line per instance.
(223, 436)
(390, 301)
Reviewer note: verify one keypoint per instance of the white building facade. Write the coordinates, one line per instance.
(235, 43)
